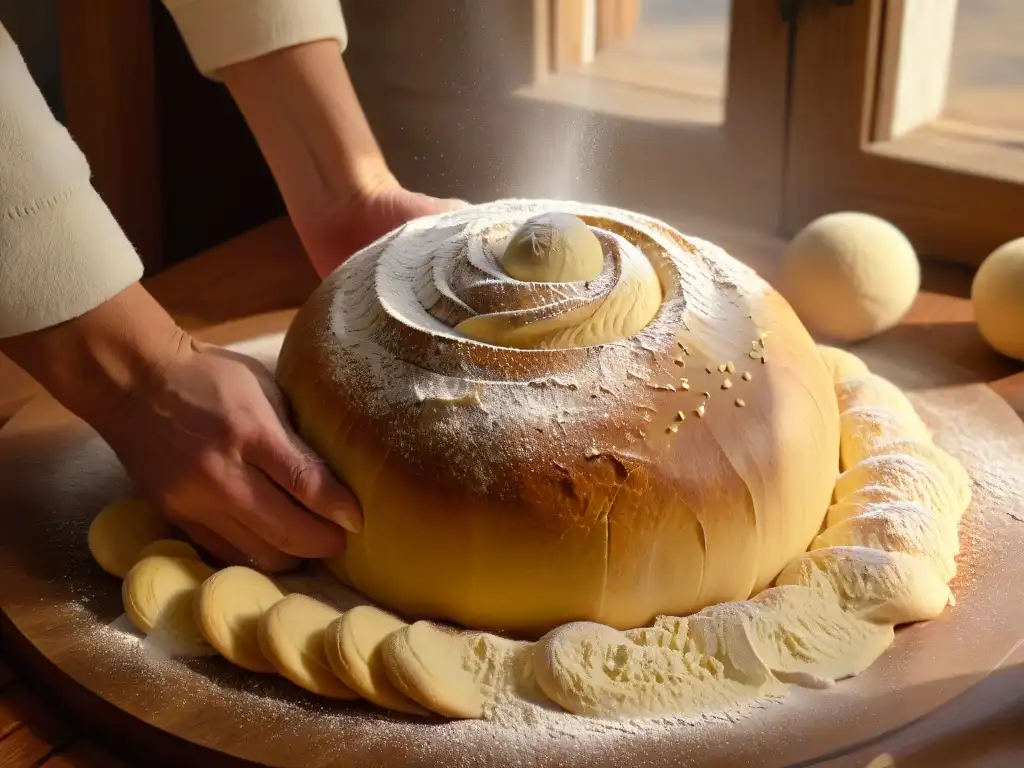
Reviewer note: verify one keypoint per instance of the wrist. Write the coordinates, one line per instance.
(94, 363)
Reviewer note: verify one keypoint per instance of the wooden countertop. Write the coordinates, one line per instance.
(251, 284)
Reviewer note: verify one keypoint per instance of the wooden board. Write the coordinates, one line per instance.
(59, 608)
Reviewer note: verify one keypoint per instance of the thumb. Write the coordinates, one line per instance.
(300, 472)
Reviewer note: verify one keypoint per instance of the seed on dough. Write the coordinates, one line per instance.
(747, 376)
(740, 403)
(726, 384)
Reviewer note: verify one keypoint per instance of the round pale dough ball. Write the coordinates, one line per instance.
(553, 248)
(997, 294)
(851, 275)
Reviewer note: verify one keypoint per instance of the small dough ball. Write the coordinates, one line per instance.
(997, 294)
(851, 275)
(354, 650)
(553, 248)
(121, 531)
(291, 635)
(170, 548)
(159, 598)
(229, 605)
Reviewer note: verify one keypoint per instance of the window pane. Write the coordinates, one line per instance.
(986, 82)
(668, 45)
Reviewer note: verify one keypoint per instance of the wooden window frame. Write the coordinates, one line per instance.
(853, 144)
(732, 170)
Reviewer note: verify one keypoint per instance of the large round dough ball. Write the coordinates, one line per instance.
(851, 275)
(998, 297)
(514, 489)
(553, 248)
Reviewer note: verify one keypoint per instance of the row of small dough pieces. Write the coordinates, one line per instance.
(429, 665)
(898, 492)
(171, 595)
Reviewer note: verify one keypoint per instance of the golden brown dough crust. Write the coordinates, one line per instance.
(519, 489)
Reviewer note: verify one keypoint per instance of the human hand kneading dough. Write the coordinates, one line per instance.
(228, 469)
(202, 432)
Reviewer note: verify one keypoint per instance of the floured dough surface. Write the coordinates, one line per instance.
(723, 655)
(228, 608)
(455, 673)
(121, 531)
(159, 598)
(354, 647)
(291, 636)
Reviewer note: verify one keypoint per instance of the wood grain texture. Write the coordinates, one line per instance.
(107, 70)
(85, 754)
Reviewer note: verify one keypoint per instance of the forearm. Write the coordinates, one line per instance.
(300, 105)
(94, 361)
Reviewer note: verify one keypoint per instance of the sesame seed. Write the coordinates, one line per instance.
(740, 403)
(747, 376)
(726, 384)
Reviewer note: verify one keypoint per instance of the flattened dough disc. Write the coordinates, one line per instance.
(291, 634)
(170, 548)
(159, 597)
(121, 531)
(353, 643)
(228, 608)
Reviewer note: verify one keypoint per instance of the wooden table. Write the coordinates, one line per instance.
(252, 284)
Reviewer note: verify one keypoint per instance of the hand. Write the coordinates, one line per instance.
(202, 431)
(209, 444)
(332, 239)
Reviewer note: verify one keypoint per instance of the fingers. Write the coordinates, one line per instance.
(251, 550)
(290, 463)
(270, 514)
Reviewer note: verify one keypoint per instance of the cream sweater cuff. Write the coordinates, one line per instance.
(61, 251)
(219, 33)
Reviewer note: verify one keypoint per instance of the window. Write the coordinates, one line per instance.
(913, 110)
(686, 101)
